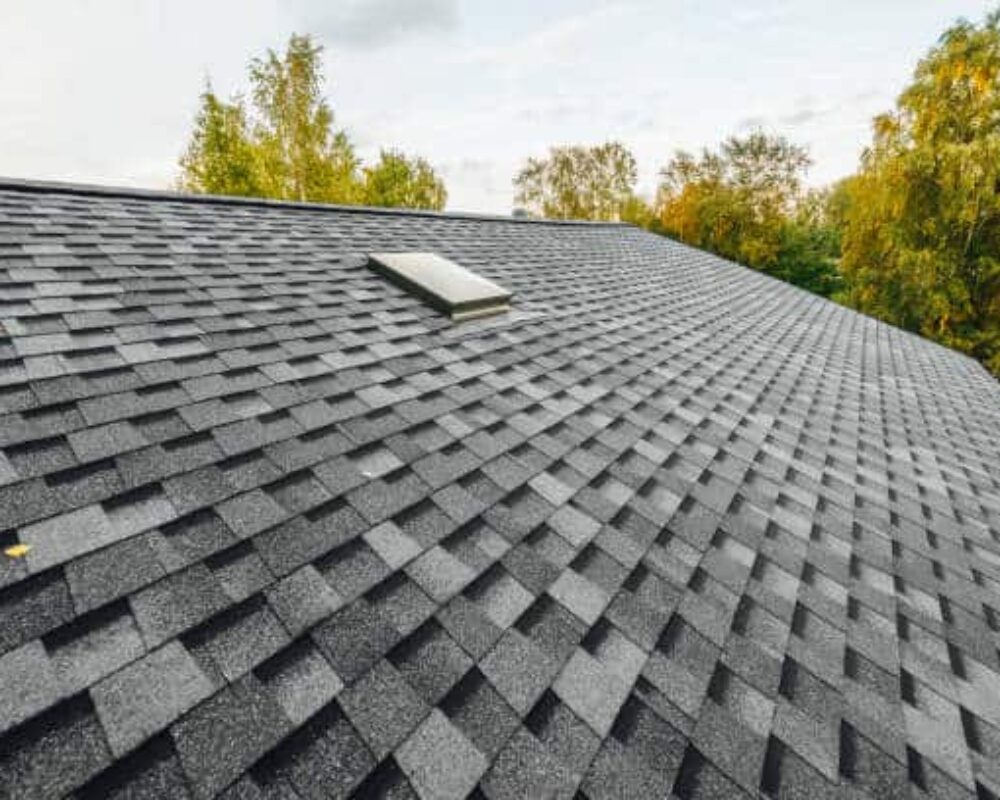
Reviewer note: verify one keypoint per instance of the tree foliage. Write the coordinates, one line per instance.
(745, 201)
(579, 182)
(396, 180)
(220, 158)
(285, 146)
(921, 219)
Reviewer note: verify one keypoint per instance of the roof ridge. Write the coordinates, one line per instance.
(99, 190)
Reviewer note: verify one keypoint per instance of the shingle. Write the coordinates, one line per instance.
(301, 680)
(32, 607)
(145, 697)
(579, 539)
(151, 772)
(223, 736)
(431, 661)
(593, 693)
(504, 599)
(250, 513)
(384, 708)
(303, 599)
(195, 537)
(176, 603)
(469, 626)
(439, 574)
(519, 670)
(393, 545)
(240, 638)
(353, 568)
(94, 646)
(324, 759)
(380, 499)
(31, 684)
(563, 734)
(525, 769)
(585, 599)
(355, 638)
(139, 510)
(92, 444)
(240, 571)
(480, 713)
(197, 489)
(402, 602)
(53, 753)
(440, 762)
(290, 545)
(64, 537)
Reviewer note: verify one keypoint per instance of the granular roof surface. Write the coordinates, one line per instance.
(274, 528)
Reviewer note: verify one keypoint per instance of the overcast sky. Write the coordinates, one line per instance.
(105, 90)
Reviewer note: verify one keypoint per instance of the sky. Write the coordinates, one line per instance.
(105, 91)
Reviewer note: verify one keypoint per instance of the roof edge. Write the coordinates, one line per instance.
(28, 185)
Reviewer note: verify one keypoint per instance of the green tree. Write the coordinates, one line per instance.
(745, 201)
(396, 180)
(921, 221)
(220, 158)
(285, 145)
(303, 157)
(579, 182)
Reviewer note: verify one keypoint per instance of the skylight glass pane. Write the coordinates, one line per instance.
(444, 284)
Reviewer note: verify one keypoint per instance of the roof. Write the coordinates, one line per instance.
(277, 528)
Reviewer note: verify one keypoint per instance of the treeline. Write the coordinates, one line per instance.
(913, 238)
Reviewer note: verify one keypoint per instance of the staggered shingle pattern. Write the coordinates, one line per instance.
(669, 528)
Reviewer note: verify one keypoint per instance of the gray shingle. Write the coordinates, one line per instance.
(440, 761)
(66, 536)
(92, 444)
(384, 708)
(54, 753)
(176, 603)
(31, 684)
(585, 541)
(240, 637)
(250, 513)
(301, 679)
(223, 736)
(93, 647)
(303, 599)
(146, 696)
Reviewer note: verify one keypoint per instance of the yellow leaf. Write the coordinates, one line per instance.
(17, 550)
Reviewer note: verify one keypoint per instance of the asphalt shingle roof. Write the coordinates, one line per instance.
(668, 526)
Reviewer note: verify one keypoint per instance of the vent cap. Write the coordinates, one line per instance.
(444, 284)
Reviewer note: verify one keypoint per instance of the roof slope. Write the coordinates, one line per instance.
(668, 526)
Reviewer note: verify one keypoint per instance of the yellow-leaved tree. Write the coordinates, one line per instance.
(921, 219)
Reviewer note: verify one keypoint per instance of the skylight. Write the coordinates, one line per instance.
(444, 284)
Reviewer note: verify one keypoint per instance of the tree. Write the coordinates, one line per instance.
(745, 202)
(303, 157)
(578, 182)
(285, 146)
(921, 236)
(220, 158)
(400, 181)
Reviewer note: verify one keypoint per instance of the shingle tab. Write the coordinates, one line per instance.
(67, 536)
(30, 684)
(144, 697)
(272, 527)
